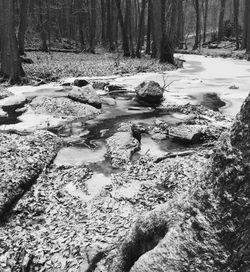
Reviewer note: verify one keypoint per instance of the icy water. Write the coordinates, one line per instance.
(206, 81)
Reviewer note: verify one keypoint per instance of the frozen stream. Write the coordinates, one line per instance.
(200, 76)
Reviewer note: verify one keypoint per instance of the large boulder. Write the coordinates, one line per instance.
(86, 95)
(150, 92)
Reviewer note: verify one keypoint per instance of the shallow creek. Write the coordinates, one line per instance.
(196, 83)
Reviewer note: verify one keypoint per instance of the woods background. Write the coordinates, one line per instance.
(150, 27)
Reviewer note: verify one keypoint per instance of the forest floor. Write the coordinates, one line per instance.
(57, 213)
(56, 65)
(224, 49)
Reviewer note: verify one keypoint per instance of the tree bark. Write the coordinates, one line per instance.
(180, 24)
(248, 28)
(149, 27)
(92, 33)
(245, 30)
(110, 27)
(80, 25)
(22, 25)
(43, 34)
(198, 25)
(221, 20)
(129, 27)
(10, 60)
(125, 43)
(236, 23)
(205, 20)
(141, 23)
(103, 15)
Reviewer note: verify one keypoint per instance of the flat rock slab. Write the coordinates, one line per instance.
(63, 107)
(187, 133)
(22, 159)
(86, 95)
(121, 146)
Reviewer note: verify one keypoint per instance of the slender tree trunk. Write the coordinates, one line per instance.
(248, 28)
(48, 24)
(80, 25)
(92, 26)
(198, 25)
(22, 25)
(180, 24)
(245, 30)
(156, 28)
(149, 26)
(129, 27)
(221, 20)
(110, 26)
(103, 15)
(205, 21)
(141, 23)
(123, 30)
(43, 33)
(10, 60)
(236, 23)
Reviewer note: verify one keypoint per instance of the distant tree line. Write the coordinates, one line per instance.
(153, 27)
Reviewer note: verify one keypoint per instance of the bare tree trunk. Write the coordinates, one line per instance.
(180, 24)
(10, 60)
(205, 21)
(43, 33)
(92, 27)
(129, 27)
(221, 20)
(156, 28)
(80, 24)
(110, 27)
(125, 42)
(103, 14)
(22, 25)
(236, 23)
(248, 27)
(245, 30)
(149, 26)
(141, 23)
(198, 25)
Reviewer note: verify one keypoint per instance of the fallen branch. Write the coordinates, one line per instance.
(174, 155)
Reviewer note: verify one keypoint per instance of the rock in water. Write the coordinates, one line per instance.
(187, 133)
(80, 82)
(150, 92)
(122, 145)
(86, 95)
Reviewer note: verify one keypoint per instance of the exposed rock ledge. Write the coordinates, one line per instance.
(203, 228)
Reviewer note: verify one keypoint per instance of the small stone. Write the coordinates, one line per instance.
(80, 82)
